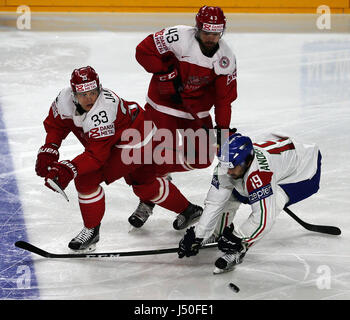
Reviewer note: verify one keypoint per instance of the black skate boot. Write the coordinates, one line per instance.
(189, 216)
(228, 261)
(86, 239)
(141, 214)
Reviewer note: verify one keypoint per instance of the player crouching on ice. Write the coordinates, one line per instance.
(269, 176)
(98, 118)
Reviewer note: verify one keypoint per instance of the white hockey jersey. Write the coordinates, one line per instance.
(279, 161)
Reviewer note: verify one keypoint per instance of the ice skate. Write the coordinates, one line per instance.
(189, 216)
(86, 240)
(141, 214)
(228, 261)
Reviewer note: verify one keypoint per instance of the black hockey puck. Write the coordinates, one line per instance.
(233, 287)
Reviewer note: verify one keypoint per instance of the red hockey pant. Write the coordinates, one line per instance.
(148, 181)
(195, 147)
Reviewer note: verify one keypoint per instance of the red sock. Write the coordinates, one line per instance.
(163, 193)
(92, 207)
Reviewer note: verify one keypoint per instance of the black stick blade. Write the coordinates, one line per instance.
(314, 227)
(29, 247)
(325, 229)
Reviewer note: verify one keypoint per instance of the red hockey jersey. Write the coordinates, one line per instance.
(206, 81)
(100, 130)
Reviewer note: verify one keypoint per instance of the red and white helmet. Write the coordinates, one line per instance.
(210, 19)
(84, 79)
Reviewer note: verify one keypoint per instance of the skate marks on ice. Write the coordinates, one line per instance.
(295, 276)
(264, 274)
(17, 274)
(291, 92)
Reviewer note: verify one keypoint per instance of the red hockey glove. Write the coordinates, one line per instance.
(166, 82)
(47, 155)
(62, 173)
(169, 83)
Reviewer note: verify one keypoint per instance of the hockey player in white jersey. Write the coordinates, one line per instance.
(269, 176)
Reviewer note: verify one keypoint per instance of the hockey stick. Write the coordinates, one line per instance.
(29, 247)
(313, 227)
(55, 186)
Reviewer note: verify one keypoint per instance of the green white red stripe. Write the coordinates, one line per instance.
(224, 221)
(262, 224)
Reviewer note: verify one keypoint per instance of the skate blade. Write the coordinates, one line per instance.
(90, 248)
(131, 229)
(219, 271)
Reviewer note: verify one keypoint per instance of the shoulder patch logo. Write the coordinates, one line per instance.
(224, 62)
(215, 181)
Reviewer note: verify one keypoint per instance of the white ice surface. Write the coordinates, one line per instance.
(293, 83)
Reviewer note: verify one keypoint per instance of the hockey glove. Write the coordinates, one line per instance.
(47, 155)
(189, 244)
(62, 173)
(222, 135)
(228, 242)
(169, 83)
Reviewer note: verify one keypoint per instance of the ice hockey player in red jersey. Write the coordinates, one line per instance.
(99, 118)
(193, 69)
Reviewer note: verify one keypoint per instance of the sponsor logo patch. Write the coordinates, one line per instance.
(260, 193)
(208, 27)
(102, 131)
(159, 41)
(86, 86)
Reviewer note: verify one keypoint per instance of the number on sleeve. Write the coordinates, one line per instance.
(256, 181)
(276, 150)
(172, 35)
